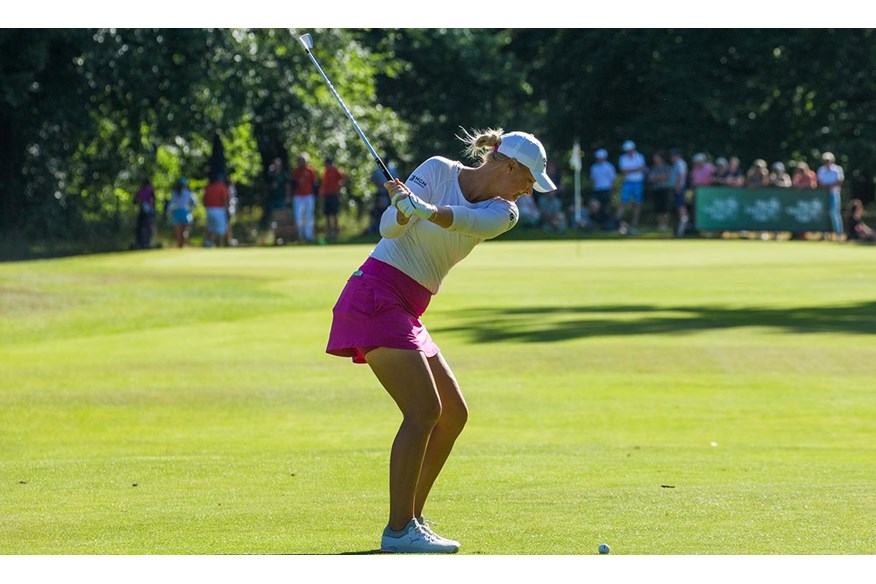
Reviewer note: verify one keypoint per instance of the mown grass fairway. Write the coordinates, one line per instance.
(665, 397)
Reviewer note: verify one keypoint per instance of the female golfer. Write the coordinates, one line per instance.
(436, 218)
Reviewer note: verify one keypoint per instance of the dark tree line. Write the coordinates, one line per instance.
(84, 114)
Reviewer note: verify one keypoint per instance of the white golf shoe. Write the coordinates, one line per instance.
(426, 525)
(415, 539)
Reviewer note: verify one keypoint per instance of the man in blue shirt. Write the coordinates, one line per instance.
(602, 175)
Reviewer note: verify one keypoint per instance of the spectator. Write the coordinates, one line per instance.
(230, 241)
(381, 196)
(602, 175)
(216, 205)
(858, 230)
(180, 206)
(703, 172)
(632, 167)
(304, 183)
(735, 176)
(778, 177)
(661, 189)
(701, 175)
(278, 194)
(529, 213)
(830, 178)
(758, 176)
(330, 194)
(722, 171)
(551, 210)
(678, 180)
(145, 201)
(804, 177)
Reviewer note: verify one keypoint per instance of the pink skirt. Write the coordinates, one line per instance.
(380, 307)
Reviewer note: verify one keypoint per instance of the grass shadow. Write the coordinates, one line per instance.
(362, 553)
(541, 324)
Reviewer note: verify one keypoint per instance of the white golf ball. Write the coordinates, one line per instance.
(604, 548)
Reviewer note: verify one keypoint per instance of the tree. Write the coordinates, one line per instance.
(442, 79)
(87, 113)
(773, 94)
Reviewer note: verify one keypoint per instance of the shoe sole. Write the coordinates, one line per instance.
(394, 550)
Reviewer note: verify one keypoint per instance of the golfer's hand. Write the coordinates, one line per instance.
(414, 206)
(409, 204)
(397, 191)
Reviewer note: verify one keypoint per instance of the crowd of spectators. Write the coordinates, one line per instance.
(220, 205)
(669, 186)
(295, 196)
(613, 199)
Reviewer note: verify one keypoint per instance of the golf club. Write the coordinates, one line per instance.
(307, 42)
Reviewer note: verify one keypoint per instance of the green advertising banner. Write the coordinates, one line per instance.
(770, 209)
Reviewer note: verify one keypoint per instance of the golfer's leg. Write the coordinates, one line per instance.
(407, 378)
(454, 414)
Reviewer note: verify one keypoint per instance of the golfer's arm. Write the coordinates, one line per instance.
(392, 223)
(443, 217)
(483, 223)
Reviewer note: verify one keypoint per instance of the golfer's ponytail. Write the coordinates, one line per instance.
(480, 144)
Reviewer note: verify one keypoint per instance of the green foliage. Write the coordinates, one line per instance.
(93, 112)
(444, 79)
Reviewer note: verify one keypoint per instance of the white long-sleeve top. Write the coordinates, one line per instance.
(426, 252)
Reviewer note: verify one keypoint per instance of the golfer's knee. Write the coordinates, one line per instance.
(425, 414)
(454, 418)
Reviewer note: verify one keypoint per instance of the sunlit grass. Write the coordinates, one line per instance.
(677, 397)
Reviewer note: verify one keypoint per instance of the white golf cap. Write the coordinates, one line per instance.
(628, 145)
(528, 151)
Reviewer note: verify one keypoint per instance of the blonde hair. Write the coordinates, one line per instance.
(480, 144)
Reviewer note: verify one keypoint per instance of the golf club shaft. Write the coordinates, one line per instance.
(377, 159)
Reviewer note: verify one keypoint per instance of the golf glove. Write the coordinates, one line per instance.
(414, 206)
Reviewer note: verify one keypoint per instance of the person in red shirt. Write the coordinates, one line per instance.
(304, 181)
(330, 195)
(216, 205)
(804, 177)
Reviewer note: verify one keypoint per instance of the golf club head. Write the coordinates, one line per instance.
(306, 41)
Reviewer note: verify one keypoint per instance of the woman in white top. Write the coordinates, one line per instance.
(437, 217)
(181, 204)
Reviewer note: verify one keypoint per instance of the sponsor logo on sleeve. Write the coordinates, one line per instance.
(417, 180)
